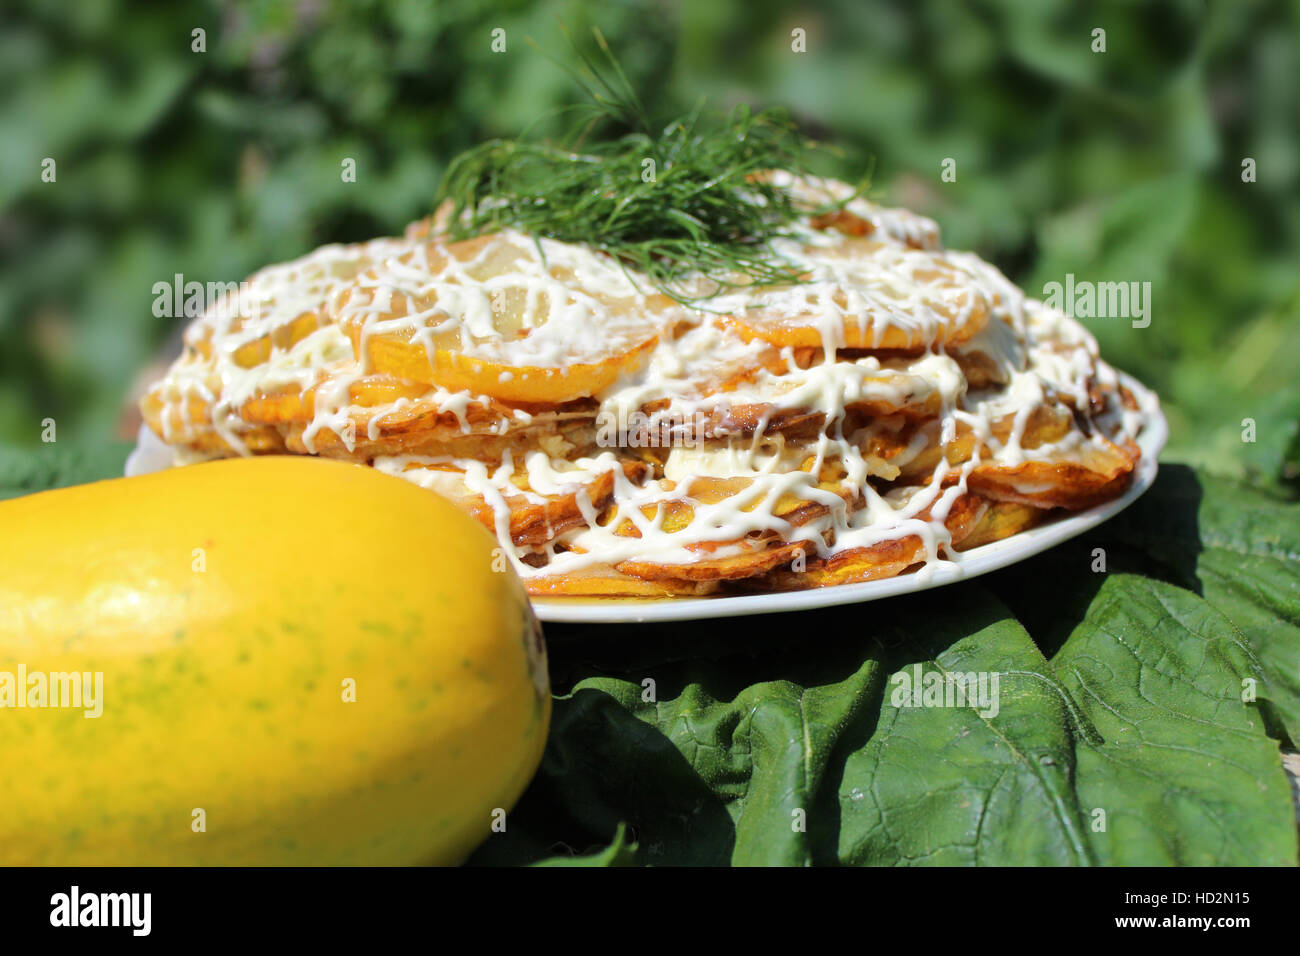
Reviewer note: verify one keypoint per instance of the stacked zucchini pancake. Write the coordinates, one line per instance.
(884, 404)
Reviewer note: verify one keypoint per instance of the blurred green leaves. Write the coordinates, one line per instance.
(1115, 166)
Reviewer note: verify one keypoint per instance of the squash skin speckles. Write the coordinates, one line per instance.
(223, 688)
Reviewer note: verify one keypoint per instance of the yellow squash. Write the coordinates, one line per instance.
(299, 662)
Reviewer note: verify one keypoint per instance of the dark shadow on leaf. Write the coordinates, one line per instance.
(579, 798)
(1158, 536)
(602, 767)
(1163, 524)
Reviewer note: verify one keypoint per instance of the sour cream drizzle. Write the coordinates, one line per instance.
(539, 304)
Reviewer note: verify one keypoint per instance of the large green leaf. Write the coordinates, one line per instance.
(1239, 547)
(1139, 715)
(777, 740)
(1186, 772)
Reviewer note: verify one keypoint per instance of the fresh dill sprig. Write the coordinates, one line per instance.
(691, 200)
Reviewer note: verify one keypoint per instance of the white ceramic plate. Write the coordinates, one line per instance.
(151, 454)
(969, 564)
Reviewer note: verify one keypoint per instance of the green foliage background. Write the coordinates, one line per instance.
(1117, 166)
(1122, 166)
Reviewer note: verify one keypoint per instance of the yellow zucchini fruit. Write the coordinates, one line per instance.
(299, 662)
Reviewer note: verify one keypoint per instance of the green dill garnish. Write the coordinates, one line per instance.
(707, 210)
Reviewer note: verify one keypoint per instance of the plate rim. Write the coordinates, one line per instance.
(971, 564)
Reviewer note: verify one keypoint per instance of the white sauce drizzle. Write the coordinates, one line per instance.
(546, 305)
